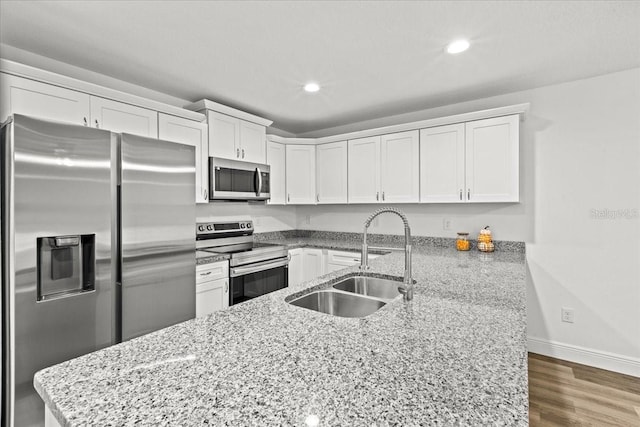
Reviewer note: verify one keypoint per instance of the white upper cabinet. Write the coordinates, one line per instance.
(236, 139)
(41, 100)
(301, 175)
(400, 167)
(470, 162)
(492, 159)
(442, 164)
(384, 168)
(331, 173)
(253, 138)
(178, 129)
(364, 170)
(276, 155)
(224, 135)
(120, 117)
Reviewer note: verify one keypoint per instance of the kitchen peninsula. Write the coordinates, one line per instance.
(455, 354)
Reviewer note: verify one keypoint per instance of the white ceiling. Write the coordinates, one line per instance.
(373, 59)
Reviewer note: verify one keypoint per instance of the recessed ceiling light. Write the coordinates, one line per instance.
(312, 87)
(457, 46)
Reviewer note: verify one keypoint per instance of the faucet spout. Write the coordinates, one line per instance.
(407, 285)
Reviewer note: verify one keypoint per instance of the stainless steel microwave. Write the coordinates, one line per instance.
(234, 180)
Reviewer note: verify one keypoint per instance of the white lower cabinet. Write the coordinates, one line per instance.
(212, 287)
(295, 266)
(337, 260)
(305, 264)
(312, 263)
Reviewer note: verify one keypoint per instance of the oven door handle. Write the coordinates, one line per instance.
(260, 266)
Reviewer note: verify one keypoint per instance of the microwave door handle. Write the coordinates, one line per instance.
(259, 186)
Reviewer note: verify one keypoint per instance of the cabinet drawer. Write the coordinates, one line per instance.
(213, 271)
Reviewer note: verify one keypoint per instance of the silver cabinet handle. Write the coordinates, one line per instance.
(86, 122)
(97, 124)
(237, 152)
(243, 153)
(377, 195)
(205, 274)
(383, 195)
(205, 193)
(288, 197)
(226, 287)
(461, 194)
(468, 194)
(317, 197)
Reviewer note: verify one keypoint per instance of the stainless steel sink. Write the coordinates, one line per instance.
(370, 286)
(338, 303)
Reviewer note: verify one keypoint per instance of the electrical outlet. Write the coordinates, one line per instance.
(307, 219)
(446, 224)
(376, 222)
(258, 221)
(567, 314)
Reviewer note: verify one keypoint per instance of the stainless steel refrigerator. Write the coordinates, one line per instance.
(98, 246)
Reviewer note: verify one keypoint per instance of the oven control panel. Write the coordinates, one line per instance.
(223, 228)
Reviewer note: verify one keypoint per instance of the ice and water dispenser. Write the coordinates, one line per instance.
(66, 265)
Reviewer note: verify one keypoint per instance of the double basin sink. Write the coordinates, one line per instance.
(356, 296)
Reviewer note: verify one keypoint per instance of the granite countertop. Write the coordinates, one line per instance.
(454, 355)
(204, 257)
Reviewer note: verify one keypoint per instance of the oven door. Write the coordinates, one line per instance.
(234, 180)
(253, 280)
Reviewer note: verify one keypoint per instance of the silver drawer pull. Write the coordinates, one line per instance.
(205, 274)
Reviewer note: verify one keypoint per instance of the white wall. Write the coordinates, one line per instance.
(580, 156)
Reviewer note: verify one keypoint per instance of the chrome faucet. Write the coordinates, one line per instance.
(407, 286)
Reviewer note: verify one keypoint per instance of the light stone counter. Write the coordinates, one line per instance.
(455, 355)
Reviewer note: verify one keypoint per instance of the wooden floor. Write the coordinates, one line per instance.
(569, 394)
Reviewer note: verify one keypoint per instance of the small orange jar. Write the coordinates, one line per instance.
(462, 242)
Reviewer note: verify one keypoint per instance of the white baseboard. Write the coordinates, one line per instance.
(585, 356)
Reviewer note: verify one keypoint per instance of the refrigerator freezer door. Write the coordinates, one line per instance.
(57, 182)
(157, 216)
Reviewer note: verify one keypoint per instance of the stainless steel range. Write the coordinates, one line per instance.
(255, 268)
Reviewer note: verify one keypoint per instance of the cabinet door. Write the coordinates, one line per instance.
(253, 138)
(212, 296)
(399, 167)
(41, 100)
(277, 178)
(364, 170)
(331, 173)
(301, 175)
(120, 117)
(295, 266)
(492, 159)
(313, 263)
(178, 129)
(224, 135)
(442, 164)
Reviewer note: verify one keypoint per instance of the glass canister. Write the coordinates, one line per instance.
(462, 242)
